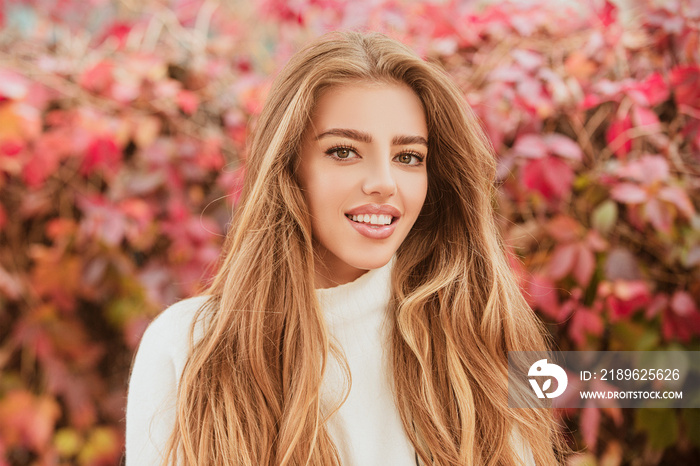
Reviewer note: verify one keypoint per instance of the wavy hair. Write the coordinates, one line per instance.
(250, 391)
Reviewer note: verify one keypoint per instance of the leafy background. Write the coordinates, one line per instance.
(123, 130)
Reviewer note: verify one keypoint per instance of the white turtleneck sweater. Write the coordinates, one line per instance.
(366, 429)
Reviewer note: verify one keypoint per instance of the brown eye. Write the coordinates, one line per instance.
(409, 158)
(343, 153)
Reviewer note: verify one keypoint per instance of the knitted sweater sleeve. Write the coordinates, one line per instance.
(152, 397)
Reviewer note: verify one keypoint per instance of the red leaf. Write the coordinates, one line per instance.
(650, 92)
(43, 161)
(102, 154)
(118, 31)
(187, 101)
(626, 297)
(629, 193)
(618, 141)
(608, 14)
(681, 319)
(98, 78)
(685, 81)
(549, 176)
(584, 322)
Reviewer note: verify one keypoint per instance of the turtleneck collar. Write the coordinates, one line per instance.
(367, 294)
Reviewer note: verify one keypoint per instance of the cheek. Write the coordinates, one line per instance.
(324, 191)
(415, 195)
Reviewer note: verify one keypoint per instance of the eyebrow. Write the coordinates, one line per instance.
(366, 138)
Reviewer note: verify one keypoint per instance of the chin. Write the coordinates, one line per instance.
(376, 261)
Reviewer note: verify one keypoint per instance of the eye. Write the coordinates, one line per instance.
(410, 158)
(342, 152)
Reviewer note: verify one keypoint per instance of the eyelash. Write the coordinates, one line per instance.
(334, 149)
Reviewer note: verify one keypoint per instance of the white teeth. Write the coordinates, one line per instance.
(373, 219)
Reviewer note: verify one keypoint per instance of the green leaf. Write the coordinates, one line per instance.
(660, 425)
(604, 216)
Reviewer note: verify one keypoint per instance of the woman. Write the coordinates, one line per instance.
(364, 306)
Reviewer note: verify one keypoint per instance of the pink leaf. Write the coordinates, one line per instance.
(13, 86)
(98, 78)
(647, 169)
(562, 261)
(530, 61)
(590, 423)
(187, 101)
(683, 304)
(659, 215)
(564, 229)
(629, 193)
(530, 146)
(585, 265)
(645, 118)
(679, 198)
(563, 146)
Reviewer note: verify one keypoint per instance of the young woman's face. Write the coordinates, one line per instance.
(363, 171)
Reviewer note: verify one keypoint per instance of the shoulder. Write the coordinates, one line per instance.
(168, 335)
(152, 395)
(176, 320)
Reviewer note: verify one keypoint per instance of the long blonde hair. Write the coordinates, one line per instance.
(249, 393)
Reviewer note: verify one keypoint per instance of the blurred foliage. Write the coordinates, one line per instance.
(123, 131)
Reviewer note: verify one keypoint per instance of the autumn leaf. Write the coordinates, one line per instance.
(26, 420)
(549, 176)
(98, 78)
(590, 424)
(617, 137)
(685, 81)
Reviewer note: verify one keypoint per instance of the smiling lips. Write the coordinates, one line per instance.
(373, 220)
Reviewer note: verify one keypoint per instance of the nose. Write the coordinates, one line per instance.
(379, 178)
